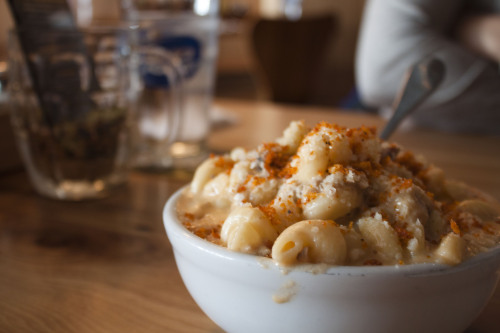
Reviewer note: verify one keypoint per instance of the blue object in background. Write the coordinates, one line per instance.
(187, 48)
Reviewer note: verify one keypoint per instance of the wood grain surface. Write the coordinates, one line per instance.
(107, 266)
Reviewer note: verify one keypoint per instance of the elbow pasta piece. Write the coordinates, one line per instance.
(451, 249)
(263, 193)
(248, 230)
(485, 211)
(206, 171)
(239, 174)
(216, 190)
(313, 157)
(354, 243)
(340, 149)
(367, 149)
(293, 135)
(434, 179)
(286, 208)
(238, 154)
(331, 207)
(411, 204)
(458, 190)
(320, 149)
(311, 241)
(249, 187)
(382, 237)
(476, 245)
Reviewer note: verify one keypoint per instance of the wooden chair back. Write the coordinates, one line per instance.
(291, 54)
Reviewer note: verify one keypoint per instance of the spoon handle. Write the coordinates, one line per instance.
(422, 81)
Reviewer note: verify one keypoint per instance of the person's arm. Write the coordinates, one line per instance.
(481, 34)
(396, 34)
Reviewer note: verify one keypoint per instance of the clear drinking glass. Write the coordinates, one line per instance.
(74, 100)
(189, 30)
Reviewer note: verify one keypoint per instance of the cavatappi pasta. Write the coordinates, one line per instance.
(337, 196)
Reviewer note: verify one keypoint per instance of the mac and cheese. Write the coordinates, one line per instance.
(337, 196)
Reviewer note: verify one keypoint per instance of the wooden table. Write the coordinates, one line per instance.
(107, 266)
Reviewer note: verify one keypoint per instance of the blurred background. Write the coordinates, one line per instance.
(240, 72)
(285, 51)
(265, 43)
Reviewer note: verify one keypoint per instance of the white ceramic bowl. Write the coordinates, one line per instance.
(236, 291)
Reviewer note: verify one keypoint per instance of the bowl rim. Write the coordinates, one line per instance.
(175, 228)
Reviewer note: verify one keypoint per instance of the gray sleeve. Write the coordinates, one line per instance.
(396, 34)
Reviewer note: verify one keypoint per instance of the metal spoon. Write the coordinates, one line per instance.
(422, 80)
